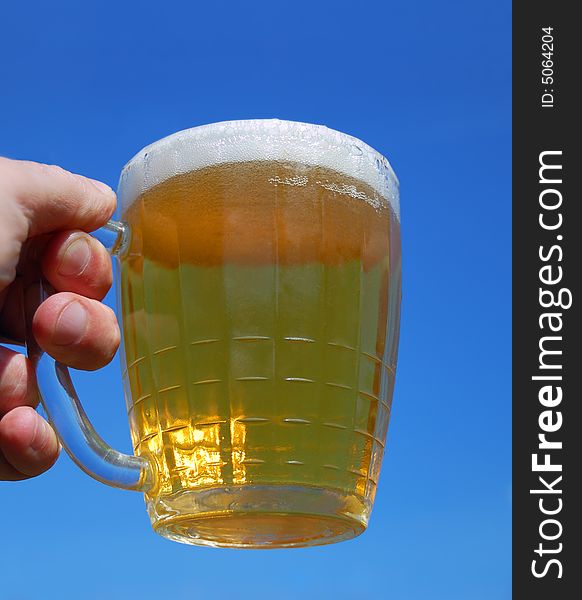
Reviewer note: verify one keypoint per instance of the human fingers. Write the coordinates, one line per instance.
(73, 261)
(17, 381)
(77, 331)
(28, 444)
(38, 199)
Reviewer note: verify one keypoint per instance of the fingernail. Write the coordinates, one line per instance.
(102, 187)
(75, 258)
(70, 325)
(40, 438)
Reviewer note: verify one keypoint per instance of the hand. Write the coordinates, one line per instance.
(44, 214)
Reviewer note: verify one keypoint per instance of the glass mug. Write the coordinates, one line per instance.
(260, 299)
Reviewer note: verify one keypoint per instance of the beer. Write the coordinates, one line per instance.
(260, 320)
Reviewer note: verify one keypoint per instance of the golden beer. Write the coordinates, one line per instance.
(260, 308)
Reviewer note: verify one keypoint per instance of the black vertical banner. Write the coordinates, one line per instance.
(547, 301)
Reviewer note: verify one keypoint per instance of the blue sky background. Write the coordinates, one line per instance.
(87, 84)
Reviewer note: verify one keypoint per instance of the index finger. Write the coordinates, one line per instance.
(52, 198)
(39, 199)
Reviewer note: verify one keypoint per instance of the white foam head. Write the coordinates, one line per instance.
(260, 139)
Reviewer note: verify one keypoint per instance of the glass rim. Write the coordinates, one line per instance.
(257, 139)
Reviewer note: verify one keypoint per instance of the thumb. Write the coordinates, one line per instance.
(37, 199)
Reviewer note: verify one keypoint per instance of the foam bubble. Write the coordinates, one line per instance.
(260, 139)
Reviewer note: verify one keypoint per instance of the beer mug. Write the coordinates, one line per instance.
(259, 293)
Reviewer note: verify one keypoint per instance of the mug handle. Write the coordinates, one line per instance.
(61, 403)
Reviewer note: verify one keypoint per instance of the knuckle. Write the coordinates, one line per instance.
(53, 170)
(26, 169)
(60, 176)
